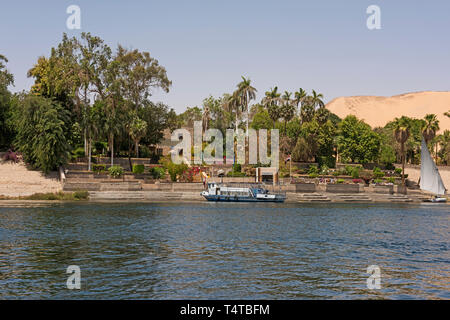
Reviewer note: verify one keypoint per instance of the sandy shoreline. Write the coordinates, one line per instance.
(16, 180)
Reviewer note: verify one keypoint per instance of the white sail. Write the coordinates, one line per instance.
(430, 179)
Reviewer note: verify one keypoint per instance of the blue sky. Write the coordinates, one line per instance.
(206, 46)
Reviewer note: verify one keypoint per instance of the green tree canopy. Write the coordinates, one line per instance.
(6, 79)
(357, 142)
(42, 134)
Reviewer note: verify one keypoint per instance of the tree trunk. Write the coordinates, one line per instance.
(247, 121)
(85, 143)
(137, 148)
(129, 153)
(111, 147)
(89, 154)
(436, 155)
(403, 164)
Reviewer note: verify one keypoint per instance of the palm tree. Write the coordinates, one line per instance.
(245, 92)
(205, 118)
(447, 113)
(287, 109)
(401, 134)
(138, 128)
(430, 128)
(271, 103)
(308, 110)
(300, 95)
(231, 104)
(317, 99)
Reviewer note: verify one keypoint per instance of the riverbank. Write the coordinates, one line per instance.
(16, 180)
(18, 184)
(194, 197)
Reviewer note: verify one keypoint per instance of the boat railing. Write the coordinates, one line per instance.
(274, 189)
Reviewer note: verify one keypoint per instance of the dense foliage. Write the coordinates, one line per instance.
(85, 95)
(88, 99)
(42, 134)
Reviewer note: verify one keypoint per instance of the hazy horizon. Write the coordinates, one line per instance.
(206, 46)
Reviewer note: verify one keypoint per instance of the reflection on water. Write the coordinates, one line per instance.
(225, 251)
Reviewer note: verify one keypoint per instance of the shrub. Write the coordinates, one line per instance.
(175, 170)
(377, 181)
(235, 174)
(97, 168)
(340, 181)
(78, 153)
(398, 171)
(157, 173)
(138, 168)
(378, 173)
(324, 169)
(336, 173)
(328, 161)
(313, 175)
(81, 195)
(389, 166)
(115, 171)
(391, 179)
(313, 169)
(355, 173)
(357, 181)
(77, 195)
(348, 170)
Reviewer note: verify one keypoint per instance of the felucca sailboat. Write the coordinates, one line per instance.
(430, 179)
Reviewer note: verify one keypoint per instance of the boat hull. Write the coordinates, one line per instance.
(436, 200)
(222, 198)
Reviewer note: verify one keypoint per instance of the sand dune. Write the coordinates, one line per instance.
(377, 111)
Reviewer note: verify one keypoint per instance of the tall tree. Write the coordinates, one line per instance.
(245, 93)
(139, 74)
(300, 95)
(138, 129)
(357, 142)
(316, 99)
(41, 131)
(95, 57)
(430, 128)
(231, 105)
(6, 79)
(401, 134)
(287, 108)
(308, 109)
(271, 102)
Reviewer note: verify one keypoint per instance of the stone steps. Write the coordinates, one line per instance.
(116, 195)
(399, 198)
(353, 197)
(118, 186)
(312, 197)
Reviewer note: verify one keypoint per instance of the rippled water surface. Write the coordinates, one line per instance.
(225, 251)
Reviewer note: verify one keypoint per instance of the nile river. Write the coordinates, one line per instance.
(225, 251)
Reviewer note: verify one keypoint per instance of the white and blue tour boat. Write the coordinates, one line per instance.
(239, 193)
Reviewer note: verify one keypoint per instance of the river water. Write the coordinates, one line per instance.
(225, 251)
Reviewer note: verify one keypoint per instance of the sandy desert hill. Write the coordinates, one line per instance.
(377, 111)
